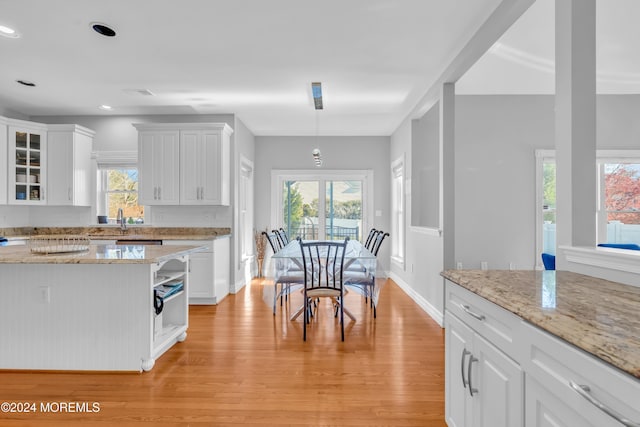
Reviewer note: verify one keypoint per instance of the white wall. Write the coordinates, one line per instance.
(420, 276)
(496, 137)
(338, 152)
(425, 170)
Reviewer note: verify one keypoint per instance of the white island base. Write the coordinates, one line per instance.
(88, 315)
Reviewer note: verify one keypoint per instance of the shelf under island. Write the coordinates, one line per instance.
(99, 309)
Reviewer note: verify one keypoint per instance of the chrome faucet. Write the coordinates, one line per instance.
(121, 220)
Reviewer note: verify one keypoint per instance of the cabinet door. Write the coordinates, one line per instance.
(498, 401)
(211, 168)
(191, 160)
(222, 275)
(60, 160)
(27, 165)
(158, 163)
(3, 162)
(201, 275)
(458, 348)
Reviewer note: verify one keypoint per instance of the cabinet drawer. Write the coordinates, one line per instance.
(496, 324)
(555, 364)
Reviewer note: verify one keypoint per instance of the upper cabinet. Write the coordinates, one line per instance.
(3, 160)
(184, 163)
(158, 167)
(69, 165)
(27, 160)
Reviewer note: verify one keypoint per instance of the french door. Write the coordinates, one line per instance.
(331, 205)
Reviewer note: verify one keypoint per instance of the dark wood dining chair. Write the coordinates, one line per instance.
(323, 264)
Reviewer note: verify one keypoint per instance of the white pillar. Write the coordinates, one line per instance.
(575, 131)
(447, 173)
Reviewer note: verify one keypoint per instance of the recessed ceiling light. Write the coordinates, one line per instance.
(8, 32)
(106, 107)
(26, 83)
(103, 29)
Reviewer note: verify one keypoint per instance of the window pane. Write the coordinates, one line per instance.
(622, 202)
(549, 208)
(122, 192)
(343, 210)
(300, 209)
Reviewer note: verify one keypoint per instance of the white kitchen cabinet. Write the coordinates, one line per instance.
(184, 163)
(204, 166)
(158, 167)
(69, 165)
(27, 160)
(484, 387)
(209, 270)
(3, 160)
(567, 387)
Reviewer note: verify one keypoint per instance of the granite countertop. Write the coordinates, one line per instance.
(98, 254)
(114, 233)
(598, 316)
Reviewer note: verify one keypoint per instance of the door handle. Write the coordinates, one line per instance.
(465, 352)
(471, 389)
(584, 391)
(467, 310)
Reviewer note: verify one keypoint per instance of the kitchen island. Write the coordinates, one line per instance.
(94, 309)
(540, 348)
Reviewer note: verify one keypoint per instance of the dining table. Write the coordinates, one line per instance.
(358, 262)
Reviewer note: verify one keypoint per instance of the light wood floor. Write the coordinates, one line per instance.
(240, 365)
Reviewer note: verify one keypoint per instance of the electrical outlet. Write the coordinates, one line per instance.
(512, 266)
(459, 265)
(484, 265)
(45, 294)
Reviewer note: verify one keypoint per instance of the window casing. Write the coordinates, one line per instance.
(397, 212)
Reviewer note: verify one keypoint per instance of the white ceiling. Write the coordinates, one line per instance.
(257, 59)
(522, 61)
(253, 58)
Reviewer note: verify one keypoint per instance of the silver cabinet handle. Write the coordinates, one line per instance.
(465, 352)
(467, 310)
(69, 193)
(471, 389)
(155, 193)
(159, 193)
(583, 390)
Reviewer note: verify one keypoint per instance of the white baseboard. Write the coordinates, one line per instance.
(435, 314)
(236, 287)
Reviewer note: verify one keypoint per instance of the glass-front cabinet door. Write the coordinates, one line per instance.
(27, 172)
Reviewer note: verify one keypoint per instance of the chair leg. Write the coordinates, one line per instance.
(341, 320)
(275, 297)
(306, 319)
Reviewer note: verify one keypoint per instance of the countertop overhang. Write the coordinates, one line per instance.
(113, 232)
(596, 315)
(99, 254)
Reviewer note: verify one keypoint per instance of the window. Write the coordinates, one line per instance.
(397, 211)
(119, 189)
(323, 206)
(618, 201)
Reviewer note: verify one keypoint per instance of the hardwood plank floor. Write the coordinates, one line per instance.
(240, 365)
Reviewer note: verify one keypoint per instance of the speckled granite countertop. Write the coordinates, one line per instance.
(98, 254)
(596, 315)
(131, 233)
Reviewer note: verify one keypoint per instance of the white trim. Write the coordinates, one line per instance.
(237, 286)
(399, 231)
(72, 128)
(399, 262)
(115, 158)
(433, 312)
(427, 231)
(623, 264)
